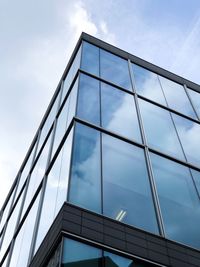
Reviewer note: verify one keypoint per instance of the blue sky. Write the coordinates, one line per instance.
(37, 38)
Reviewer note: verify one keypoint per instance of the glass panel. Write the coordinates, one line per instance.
(126, 190)
(147, 84)
(25, 171)
(88, 99)
(176, 97)
(71, 74)
(195, 96)
(196, 177)
(113, 260)
(189, 133)
(56, 190)
(119, 113)
(90, 58)
(65, 117)
(159, 129)
(179, 201)
(114, 69)
(6, 211)
(37, 175)
(76, 254)
(11, 226)
(23, 240)
(5, 262)
(85, 173)
(48, 123)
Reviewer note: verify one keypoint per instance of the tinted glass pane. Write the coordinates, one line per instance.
(113, 260)
(71, 74)
(65, 117)
(56, 190)
(6, 211)
(147, 84)
(196, 177)
(88, 99)
(114, 69)
(10, 228)
(76, 254)
(48, 123)
(179, 201)
(126, 190)
(176, 97)
(159, 129)
(195, 97)
(90, 58)
(37, 175)
(85, 173)
(189, 133)
(119, 113)
(23, 241)
(25, 171)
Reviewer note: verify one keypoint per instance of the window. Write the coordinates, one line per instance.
(180, 204)
(126, 189)
(176, 97)
(90, 58)
(114, 69)
(159, 129)
(85, 173)
(71, 74)
(65, 117)
(22, 244)
(189, 133)
(147, 84)
(119, 113)
(56, 190)
(80, 255)
(195, 97)
(89, 99)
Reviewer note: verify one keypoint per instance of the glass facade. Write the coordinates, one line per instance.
(127, 135)
(78, 254)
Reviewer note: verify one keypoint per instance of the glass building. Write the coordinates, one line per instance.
(112, 177)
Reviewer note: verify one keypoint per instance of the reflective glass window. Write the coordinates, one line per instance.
(65, 117)
(89, 99)
(159, 129)
(6, 211)
(196, 177)
(126, 189)
(180, 204)
(80, 255)
(147, 84)
(10, 228)
(119, 113)
(189, 133)
(56, 190)
(114, 69)
(90, 58)
(48, 123)
(23, 240)
(85, 172)
(25, 171)
(37, 175)
(71, 74)
(113, 260)
(195, 97)
(176, 97)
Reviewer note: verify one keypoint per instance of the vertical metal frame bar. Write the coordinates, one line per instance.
(191, 102)
(146, 152)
